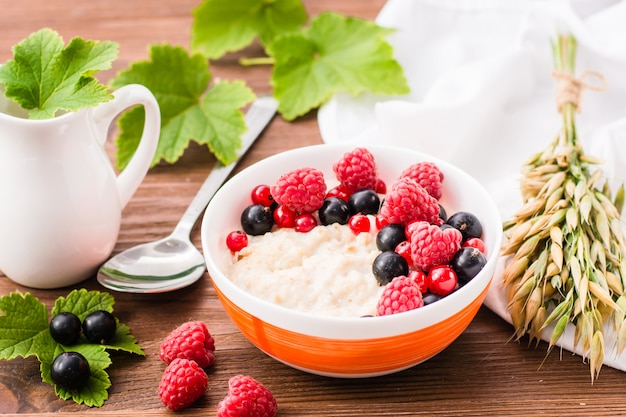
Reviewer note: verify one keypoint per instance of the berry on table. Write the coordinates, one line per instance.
(257, 219)
(190, 340)
(70, 370)
(65, 328)
(236, 240)
(431, 245)
(302, 190)
(99, 327)
(400, 295)
(388, 265)
(408, 201)
(356, 170)
(247, 397)
(183, 383)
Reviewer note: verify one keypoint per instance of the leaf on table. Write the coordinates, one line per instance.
(335, 54)
(45, 77)
(23, 326)
(190, 110)
(222, 26)
(24, 331)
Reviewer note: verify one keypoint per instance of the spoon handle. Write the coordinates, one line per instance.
(258, 116)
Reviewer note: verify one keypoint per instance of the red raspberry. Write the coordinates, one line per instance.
(191, 340)
(356, 170)
(408, 201)
(247, 398)
(183, 382)
(428, 175)
(302, 190)
(401, 294)
(431, 245)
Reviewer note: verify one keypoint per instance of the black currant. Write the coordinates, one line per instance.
(334, 210)
(70, 370)
(467, 262)
(389, 265)
(390, 236)
(65, 328)
(442, 213)
(364, 202)
(430, 298)
(257, 219)
(99, 327)
(467, 223)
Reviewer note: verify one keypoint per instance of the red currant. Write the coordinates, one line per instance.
(339, 191)
(381, 221)
(380, 187)
(422, 280)
(443, 280)
(305, 223)
(261, 194)
(404, 249)
(236, 240)
(475, 242)
(359, 223)
(408, 231)
(283, 217)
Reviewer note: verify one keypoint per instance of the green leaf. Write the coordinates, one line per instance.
(188, 110)
(24, 331)
(23, 326)
(221, 26)
(45, 77)
(335, 54)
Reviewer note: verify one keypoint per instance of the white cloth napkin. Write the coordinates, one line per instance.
(482, 95)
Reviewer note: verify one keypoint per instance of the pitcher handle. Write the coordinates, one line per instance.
(124, 97)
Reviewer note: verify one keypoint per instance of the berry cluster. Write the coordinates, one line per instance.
(70, 370)
(424, 255)
(188, 350)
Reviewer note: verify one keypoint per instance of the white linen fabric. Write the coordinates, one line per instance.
(482, 95)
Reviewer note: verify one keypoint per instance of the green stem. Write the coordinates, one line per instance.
(248, 62)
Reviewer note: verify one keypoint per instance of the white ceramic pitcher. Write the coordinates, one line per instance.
(60, 198)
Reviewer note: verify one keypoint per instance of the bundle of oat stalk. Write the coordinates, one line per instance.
(567, 243)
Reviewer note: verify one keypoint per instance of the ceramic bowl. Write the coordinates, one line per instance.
(347, 347)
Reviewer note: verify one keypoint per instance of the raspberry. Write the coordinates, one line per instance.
(247, 398)
(428, 175)
(356, 170)
(431, 245)
(301, 190)
(408, 201)
(191, 340)
(401, 294)
(183, 382)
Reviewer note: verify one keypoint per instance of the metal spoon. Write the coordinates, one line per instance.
(174, 262)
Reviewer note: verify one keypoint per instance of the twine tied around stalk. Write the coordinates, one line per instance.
(569, 88)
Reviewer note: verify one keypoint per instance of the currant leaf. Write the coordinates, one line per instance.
(222, 26)
(335, 54)
(190, 110)
(45, 76)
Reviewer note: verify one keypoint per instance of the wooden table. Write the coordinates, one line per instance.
(482, 373)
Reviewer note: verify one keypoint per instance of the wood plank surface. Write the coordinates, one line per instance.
(482, 373)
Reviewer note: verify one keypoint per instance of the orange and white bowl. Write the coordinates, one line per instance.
(347, 347)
